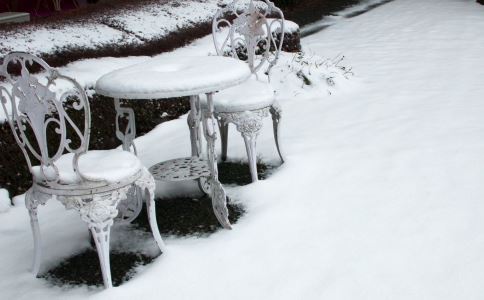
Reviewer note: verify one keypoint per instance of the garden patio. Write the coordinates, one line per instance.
(379, 196)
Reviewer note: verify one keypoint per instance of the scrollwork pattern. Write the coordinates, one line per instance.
(246, 122)
(98, 209)
(127, 135)
(33, 199)
(219, 203)
(130, 208)
(250, 35)
(35, 106)
(217, 193)
(146, 181)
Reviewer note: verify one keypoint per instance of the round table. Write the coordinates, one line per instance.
(168, 77)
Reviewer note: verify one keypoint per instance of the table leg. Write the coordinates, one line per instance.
(128, 135)
(130, 208)
(219, 198)
(194, 125)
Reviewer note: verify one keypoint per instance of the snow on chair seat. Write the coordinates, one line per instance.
(110, 166)
(250, 95)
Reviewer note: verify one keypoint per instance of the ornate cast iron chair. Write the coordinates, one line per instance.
(254, 37)
(56, 150)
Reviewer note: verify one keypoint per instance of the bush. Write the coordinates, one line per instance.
(301, 74)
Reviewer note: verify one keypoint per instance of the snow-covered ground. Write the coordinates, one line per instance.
(5, 202)
(129, 26)
(349, 12)
(120, 27)
(381, 195)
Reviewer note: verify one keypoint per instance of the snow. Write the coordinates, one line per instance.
(158, 20)
(4, 201)
(306, 74)
(380, 196)
(109, 165)
(41, 40)
(251, 94)
(289, 26)
(352, 11)
(131, 26)
(124, 26)
(86, 72)
(163, 77)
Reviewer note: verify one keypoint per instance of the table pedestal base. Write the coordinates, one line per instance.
(181, 169)
(192, 168)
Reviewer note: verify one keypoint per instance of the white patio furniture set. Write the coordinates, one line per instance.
(104, 186)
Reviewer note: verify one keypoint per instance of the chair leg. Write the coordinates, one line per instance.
(150, 207)
(146, 184)
(276, 113)
(101, 233)
(224, 136)
(249, 124)
(32, 204)
(99, 211)
(250, 145)
(130, 208)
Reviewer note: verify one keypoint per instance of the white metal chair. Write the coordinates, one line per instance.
(251, 31)
(91, 182)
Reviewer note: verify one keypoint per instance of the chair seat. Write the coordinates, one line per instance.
(250, 95)
(107, 165)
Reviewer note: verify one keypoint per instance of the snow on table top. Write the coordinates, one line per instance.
(165, 77)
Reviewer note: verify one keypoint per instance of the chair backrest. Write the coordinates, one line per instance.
(40, 110)
(250, 30)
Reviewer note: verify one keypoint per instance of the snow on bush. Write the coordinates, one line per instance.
(304, 74)
(4, 201)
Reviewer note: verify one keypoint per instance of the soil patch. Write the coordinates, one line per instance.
(84, 269)
(239, 173)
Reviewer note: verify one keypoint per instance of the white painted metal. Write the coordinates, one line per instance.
(250, 29)
(196, 167)
(262, 40)
(165, 77)
(34, 108)
(194, 125)
(180, 169)
(129, 134)
(217, 192)
(167, 84)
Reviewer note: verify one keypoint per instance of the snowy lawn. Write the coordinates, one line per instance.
(121, 27)
(381, 196)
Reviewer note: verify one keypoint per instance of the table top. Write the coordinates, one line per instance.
(167, 77)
